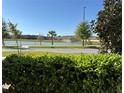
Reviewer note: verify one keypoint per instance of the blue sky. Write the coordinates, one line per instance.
(40, 16)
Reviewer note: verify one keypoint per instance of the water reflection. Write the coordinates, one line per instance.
(13, 43)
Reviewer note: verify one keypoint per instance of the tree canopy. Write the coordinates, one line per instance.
(109, 26)
(15, 32)
(83, 31)
(5, 33)
(52, 34)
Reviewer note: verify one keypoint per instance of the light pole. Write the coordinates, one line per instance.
(84, 14)
(84, 21)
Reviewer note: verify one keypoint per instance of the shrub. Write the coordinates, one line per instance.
(63, 74)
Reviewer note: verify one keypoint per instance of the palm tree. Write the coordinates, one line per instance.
(19, 33)
(51, 34)
(16, 33)
(4, 31)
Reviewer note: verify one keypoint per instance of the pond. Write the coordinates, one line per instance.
(13, 43)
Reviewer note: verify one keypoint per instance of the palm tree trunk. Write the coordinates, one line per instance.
(52, 41)
(17, 45)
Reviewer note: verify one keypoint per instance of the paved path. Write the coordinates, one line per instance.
(59, 50)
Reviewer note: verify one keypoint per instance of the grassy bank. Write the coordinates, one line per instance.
(30, 53)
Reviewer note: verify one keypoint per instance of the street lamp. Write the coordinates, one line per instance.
(84, 14)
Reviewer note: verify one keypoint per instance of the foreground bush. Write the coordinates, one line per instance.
(63, 74)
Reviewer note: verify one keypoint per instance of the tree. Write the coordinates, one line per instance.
(40, 38)
(109, 26)
(4, 31)
(92, 26)
(16, 33)
(83, 31)
(51, 34)
(19, 35)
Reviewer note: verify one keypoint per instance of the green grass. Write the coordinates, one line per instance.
(14, 47)
(30, 53)
(93, 43)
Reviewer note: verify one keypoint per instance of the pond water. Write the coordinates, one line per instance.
(13, 43)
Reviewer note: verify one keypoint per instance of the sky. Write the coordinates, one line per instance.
(40, 16)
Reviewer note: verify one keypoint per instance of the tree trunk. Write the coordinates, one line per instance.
(20, 45)
(52, 40)
(83, 42)
(40, 42)
(87, 42)
(3, 42)
(17, 45)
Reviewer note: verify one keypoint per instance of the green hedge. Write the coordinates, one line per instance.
(63, 74)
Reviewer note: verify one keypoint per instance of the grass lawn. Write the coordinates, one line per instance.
(30, 53)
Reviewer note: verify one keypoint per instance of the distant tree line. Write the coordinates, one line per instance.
(31, 37)
(34, 37)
